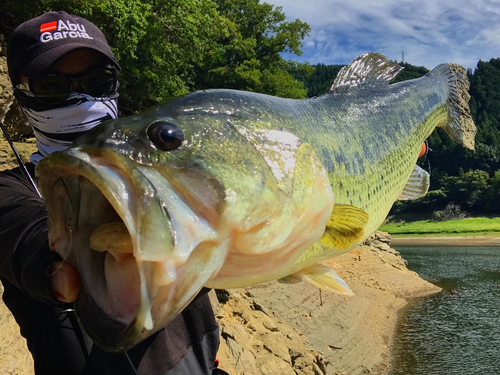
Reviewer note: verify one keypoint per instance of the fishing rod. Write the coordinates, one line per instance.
(19, 160)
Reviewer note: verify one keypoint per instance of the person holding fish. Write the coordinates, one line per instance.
(65, 80)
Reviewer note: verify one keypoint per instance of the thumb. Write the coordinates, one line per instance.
(64, 281)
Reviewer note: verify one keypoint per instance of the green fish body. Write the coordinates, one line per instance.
(224, 189)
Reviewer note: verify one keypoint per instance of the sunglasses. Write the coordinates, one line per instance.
(56, 88)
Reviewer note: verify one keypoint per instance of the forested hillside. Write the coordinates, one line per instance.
(466, 179)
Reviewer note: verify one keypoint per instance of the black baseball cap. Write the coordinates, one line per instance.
(40, 42)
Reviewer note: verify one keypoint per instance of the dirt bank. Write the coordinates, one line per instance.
(15, 359)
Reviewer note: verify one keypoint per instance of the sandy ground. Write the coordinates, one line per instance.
(15, 359)
(447, 241)
(7, 157)
(353, 334)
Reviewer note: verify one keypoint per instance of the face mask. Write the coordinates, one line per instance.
(55, 129)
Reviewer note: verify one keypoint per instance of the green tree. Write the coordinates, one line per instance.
(432, 201)
(178, 36)
(319, 81)
(468, 189)
(248, 56)
(493, 194)
(410, 72)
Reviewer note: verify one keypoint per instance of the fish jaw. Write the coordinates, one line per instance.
(130, 292)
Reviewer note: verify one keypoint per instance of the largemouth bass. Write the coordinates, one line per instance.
(225, 188)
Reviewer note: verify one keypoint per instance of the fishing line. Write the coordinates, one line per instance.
(70, 230)
(130, 364)
(66, 253)
(78, 332)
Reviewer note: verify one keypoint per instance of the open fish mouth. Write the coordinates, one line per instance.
(141, 252)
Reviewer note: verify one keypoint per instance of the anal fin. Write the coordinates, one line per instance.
(417, 185)
(345, 227)
(325, 278)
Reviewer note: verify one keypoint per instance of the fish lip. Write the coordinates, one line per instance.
(85, 307)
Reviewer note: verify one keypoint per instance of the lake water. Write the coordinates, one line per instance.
(456, 331)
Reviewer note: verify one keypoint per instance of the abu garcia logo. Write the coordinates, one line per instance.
(61, 30)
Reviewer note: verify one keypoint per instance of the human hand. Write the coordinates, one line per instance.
(64, 281)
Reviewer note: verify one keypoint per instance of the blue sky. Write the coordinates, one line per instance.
(429, 32)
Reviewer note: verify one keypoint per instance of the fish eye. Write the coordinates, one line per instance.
(165, 135)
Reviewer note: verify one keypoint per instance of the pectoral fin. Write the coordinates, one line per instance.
(345, 227)
(417, 185)
(325, 278)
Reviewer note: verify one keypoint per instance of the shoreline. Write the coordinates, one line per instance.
(326, 333)
(446, 241)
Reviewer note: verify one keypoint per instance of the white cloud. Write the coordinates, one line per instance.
(428, 31)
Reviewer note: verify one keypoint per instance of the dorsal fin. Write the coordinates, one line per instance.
(368, 68)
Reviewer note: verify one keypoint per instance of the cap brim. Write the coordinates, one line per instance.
(39, 65)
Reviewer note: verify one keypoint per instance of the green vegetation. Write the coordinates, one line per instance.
(317, 79)
(472, 226)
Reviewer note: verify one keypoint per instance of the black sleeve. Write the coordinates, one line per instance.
(24, 251)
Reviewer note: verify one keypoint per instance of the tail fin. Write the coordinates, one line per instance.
(460, 125)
